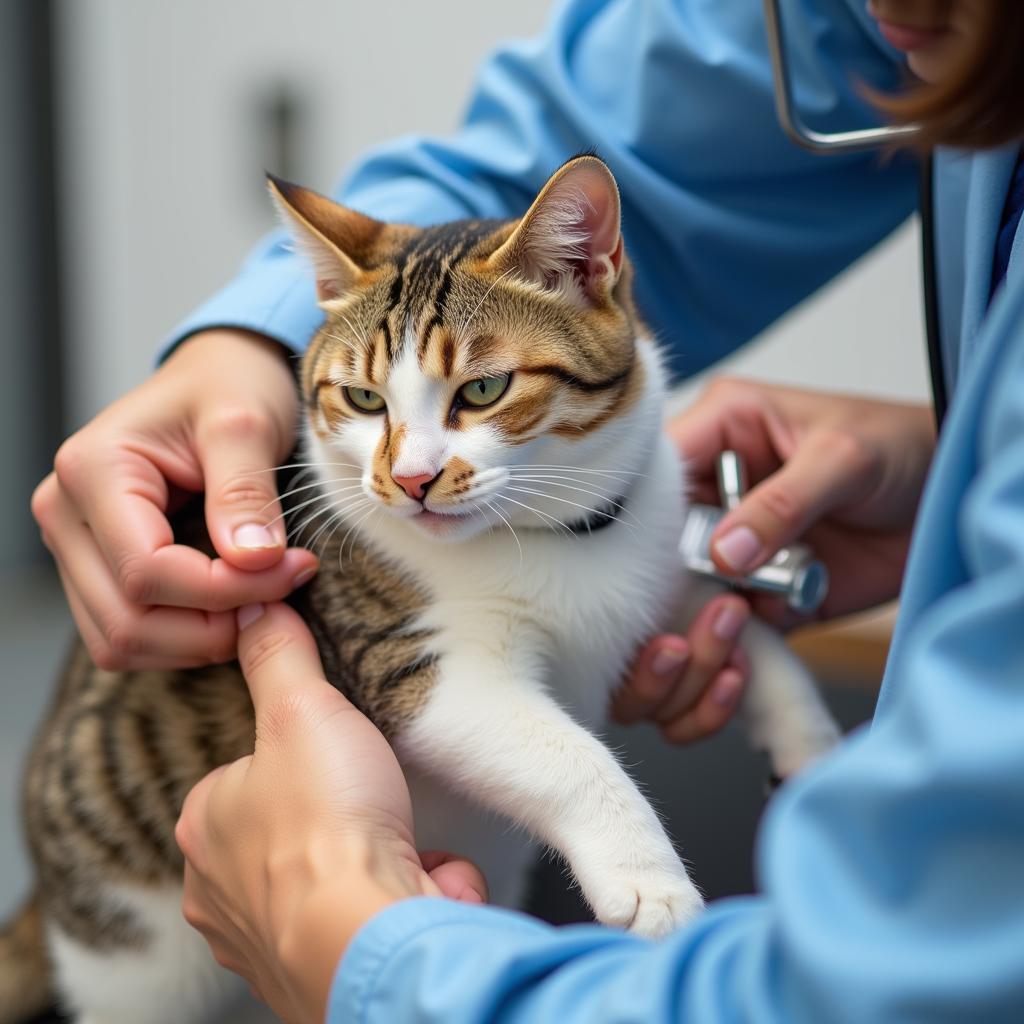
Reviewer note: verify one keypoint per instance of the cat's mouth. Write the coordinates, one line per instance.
(439, 522)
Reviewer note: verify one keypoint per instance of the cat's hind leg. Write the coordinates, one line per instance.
(782, 710)
(169, 977)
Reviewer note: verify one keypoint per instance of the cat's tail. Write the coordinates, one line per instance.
(25, 979)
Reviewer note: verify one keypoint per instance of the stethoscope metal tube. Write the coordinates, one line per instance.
(785, 106)
(824, 143)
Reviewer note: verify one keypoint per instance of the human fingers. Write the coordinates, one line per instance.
(123, 496)
(828, 469)
(238, 449)
(457, 878)
(712, 638)
(118, 634)
(277, 653)
(715, 707)
(656, 671)
(728, 414)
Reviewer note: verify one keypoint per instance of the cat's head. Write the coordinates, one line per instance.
(478, 372)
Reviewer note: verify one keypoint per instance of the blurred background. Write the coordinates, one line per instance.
(135, 136)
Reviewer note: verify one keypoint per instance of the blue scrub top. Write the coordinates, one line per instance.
(892, 873)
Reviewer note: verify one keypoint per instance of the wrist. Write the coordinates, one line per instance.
(343, 887)
(233, 339)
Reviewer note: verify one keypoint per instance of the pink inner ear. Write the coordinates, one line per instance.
(327, 289)
(598, 224)
(600, 215)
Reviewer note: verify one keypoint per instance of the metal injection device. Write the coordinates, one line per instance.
(792, 572)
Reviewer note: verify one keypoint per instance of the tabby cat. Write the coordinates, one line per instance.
(498, 512)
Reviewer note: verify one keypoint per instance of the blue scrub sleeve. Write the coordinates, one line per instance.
(728, 223)
(891, 872)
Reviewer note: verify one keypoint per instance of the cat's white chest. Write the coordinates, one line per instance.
(580, 605)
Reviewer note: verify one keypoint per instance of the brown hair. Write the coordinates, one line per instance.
(981, 103)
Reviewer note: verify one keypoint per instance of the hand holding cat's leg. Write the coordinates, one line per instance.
(216, 417)
(292, 849)
(737, 664)
(496, 735)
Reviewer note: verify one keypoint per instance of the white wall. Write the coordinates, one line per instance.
(163, 168)
(163, 182)
(863, 333)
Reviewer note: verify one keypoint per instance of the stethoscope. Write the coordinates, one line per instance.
(823, 143)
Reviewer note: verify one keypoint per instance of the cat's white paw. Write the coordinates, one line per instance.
(651, 903)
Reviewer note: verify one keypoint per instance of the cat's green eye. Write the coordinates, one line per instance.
(485, 391)
(364, 399)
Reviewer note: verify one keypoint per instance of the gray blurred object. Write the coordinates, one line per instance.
(792, 572)
(31, 383)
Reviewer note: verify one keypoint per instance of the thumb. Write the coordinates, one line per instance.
(815, 480)
(277, 652)
(243, 513)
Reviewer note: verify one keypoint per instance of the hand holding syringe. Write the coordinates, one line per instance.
(792, 572)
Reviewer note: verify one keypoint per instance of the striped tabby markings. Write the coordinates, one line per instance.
(365, 620)
(332, 406)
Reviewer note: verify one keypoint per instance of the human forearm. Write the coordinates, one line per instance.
(715, 207)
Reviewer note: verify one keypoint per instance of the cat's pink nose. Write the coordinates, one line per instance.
(415, 486)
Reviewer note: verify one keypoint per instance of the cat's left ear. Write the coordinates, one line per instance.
(570, 239)
(333, 237)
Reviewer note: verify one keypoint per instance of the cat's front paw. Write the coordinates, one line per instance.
(649, 903)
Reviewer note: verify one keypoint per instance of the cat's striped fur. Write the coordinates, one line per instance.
(463, 615)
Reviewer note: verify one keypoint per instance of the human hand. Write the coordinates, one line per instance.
(291, 850)
(216, 416)
(845, 474)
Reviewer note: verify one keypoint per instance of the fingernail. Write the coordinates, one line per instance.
(668, 661)
(304, 577)
(726, 690)
(248, 614)
(739, 548)
(254, 536)
(729, 621)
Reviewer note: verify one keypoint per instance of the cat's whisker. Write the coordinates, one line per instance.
(361, 335)
(601, 494)
(551, 474)
(333, 524)
(296, 531)
(302, 475)
(575, 504)
(578, 469)
(327, 507)
(476, 309)
(301, 465)
(515, 537)
(315, 498)
(536, 512)
(606, 496)
(325, 532)
(335, 513)
(351, 532)
(596, 489)
(306, 487)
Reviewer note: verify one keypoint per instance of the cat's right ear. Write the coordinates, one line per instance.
(332, 237)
